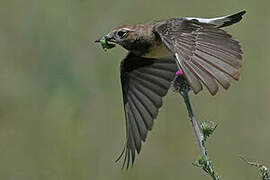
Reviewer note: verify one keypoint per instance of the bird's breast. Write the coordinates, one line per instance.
(158, 51)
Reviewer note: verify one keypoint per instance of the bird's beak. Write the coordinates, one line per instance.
(109, 38)
(104, 41)
(98, 40)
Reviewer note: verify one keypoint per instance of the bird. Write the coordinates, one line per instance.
(198, 49)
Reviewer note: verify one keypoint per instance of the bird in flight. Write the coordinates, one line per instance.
(198, 49)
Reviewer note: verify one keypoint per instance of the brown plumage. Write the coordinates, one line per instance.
(206, 54)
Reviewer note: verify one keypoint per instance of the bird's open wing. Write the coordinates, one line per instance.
(205, 53)
(144, 82)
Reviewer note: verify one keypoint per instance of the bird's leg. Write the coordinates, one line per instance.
(181, 85)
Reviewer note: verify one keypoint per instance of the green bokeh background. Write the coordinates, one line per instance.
(61, 113)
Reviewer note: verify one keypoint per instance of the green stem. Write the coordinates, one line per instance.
(199, 135)
(205, 164)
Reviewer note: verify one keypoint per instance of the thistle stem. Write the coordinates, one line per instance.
(199, 135)
(181, 85)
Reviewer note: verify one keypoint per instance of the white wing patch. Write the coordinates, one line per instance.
(178, 61)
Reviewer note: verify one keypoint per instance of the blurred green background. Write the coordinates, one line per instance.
(61, 113)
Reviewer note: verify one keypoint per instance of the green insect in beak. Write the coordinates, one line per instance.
(104, 44)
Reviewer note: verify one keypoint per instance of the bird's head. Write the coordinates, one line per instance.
(131, 37)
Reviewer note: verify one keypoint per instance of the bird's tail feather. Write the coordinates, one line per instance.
(222, 21)
(231, 19)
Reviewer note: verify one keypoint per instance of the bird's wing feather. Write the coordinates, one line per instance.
(205, 53)
(144, 82)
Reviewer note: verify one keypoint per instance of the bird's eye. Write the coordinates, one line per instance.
(121, 34)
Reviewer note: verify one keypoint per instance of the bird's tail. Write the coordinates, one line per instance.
(228, 20)
(222, 21)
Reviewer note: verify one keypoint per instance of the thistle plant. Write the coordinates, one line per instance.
(202, 132)
(263, 170)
